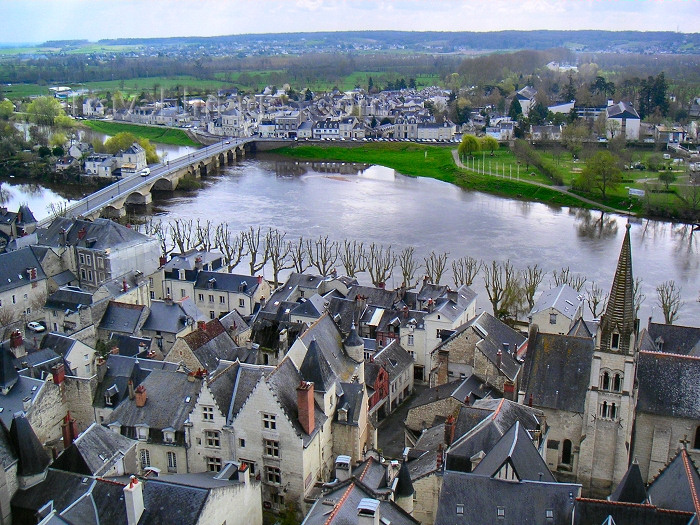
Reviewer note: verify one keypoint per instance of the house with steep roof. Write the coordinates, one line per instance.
(79, 357)
(670, 338)
(23, 286)
(485, 347)
(167, 320)
(204, 348)
(622, 119)
(219, 293)
(398, 364)
(526, 98)
(557, 309)
(176, 277)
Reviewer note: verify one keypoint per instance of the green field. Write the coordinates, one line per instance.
(17, 91)
(137, 85)
(154, 134)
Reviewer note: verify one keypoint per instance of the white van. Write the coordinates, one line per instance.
(145, 172)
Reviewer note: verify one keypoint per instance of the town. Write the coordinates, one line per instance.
(320, 396)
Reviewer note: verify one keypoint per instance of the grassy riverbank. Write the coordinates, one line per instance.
(163, 135)
(436, 162)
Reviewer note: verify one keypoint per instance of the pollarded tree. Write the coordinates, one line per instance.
(596, 299)
(409, 266)
(532, 277)
(380, 263)
(465, 270)
(602, 172)
(669, 300)
(435, 264)
(352, 257)
(279, 251)
(299, 253)
(231, 245)
(256, 248)
(504, 289)
(323, 253)
(468, 145)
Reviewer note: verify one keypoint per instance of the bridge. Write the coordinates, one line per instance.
(111, 200)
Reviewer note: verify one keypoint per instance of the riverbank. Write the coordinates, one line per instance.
(441, 162)
(437, 162)
(161, 134)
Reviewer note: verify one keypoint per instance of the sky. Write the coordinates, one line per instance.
(35, 21)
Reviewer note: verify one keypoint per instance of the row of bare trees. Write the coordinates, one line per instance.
(510, 291)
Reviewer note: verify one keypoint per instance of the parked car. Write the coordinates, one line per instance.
(35, 326)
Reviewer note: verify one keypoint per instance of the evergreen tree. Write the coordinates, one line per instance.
(516, 110)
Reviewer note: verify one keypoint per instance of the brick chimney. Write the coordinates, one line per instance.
(450, 424)
(305, 404)
(133, 499)
(439, 457)
(130, 386)
(499, 359)
(58, 372)
(140, 395)
(202, 325)
(69, 430)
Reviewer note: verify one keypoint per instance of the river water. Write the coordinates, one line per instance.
(375, 204)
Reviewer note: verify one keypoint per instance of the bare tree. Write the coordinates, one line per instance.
(323, 254)
(669, 300)
(256, 248)
(7, 316)
(352, 257)
(564, 276)
(160, 231)
(380, 263)
(231, 245)
(504, 289)
(532, 277)
(465, 270)
(299, 253)
(279, 251)
(435, 264)
(182, 233)
(639, 297)
(204, 235)
(596, 299)
(57, 209)
(409, 266)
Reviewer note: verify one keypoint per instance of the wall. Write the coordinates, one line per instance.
(235, 503)
(200, 451)
(427, 494)
(423, 416)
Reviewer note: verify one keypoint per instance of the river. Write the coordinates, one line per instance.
(375, 204)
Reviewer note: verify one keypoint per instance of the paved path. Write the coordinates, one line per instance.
(560, 189)
(390, 433)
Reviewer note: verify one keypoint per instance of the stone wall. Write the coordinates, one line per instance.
(421, 417)
(427, 494)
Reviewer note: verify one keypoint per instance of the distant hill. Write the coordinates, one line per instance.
(450, 42)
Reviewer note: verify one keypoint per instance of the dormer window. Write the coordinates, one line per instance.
(181, 275)
(615, 341)
(142, 433)
(168, 436)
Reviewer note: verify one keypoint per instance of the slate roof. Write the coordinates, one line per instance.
(131, 346)
(104, 232)
(13, 269)
(68, 298)
(59, 343)
(32, 458)
(311, 307)
(13, 401)
(344, 312)
(605, 512)
(171, 318)
(39, 361)
(371, 473)
(557, 371)
(671, 338)
(123, 317)
(677, 487)
(170, 400)
(522, 502)
(228, 282)
(283, 382)
(315, 368)
(326, 334)
(583, 328)
(8, 372)
(339, 506)
(669, 385)
(622, 110)
(188, 261)
(422, 458)
(631, 488)
(380, 297)
(515, 448)
(563, 299)
(351, 400)
(394, 359)
(211, 345)
(94, 452)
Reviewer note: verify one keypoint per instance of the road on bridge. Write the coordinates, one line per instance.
(123, 187)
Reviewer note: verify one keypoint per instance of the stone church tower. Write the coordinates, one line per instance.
(611, 395)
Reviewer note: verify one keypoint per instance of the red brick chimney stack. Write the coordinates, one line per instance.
(305, 403)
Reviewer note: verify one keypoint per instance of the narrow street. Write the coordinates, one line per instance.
(390, 432)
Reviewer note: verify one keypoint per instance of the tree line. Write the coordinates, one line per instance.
(510, 291)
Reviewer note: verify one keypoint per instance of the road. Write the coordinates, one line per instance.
(390, 433)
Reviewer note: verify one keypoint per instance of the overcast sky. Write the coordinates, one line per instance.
(40, 20)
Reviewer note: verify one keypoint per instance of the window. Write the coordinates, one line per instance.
(566, 452)
(241, 302)
(85, 357)
(251, 465)
(549, 514)
(617, 383)
(172, 462)
(14, 300)
(501, 512)
(410, 339)
(277, 500)
(87, 369)
(437, 333)
(145, 458)
(153, 294)
(25, 296)
(272, 448)
(269, 421)
(168, 437)
(183, 294)
(29, 311)
(273, 475)
(222, 300)
(212, 438)
(696, 441)
(208, 413)
(82, 258)
(241, 443)
(200, 297)
(100, 264)
(212, 314)
(108, 400)
(552, 318)
(605, 381)
(613, 411)
(142, 433)
(213, 464)
(604, 410)
(211, 298)
(89, 275)
(615, 341)
(88, 260)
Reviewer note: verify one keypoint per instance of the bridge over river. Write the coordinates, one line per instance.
(111, 200)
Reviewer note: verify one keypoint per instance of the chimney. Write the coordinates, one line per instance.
(202, 325)
(499, 359)
(133, 499)
(431, 305)
(130, 386)
(439, 457)
(450, 424)
(342, 468)
(163, 259)
(140, 394)
(69, 430)
(368, 512)
(305, 404)
(405, 312)
(529, 401)
(198, 263)
(260, 279)
(381, 285)
(59, 373)
(169, 301)
(101, 369)
(16, 339)
(125, 287)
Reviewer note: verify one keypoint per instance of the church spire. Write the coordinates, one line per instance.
(617, 323)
